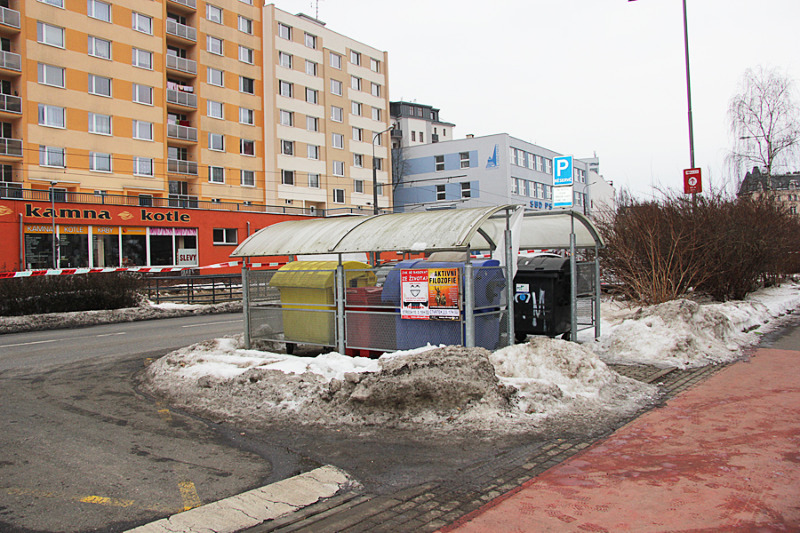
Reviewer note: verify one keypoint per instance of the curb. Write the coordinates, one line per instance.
(256, 506)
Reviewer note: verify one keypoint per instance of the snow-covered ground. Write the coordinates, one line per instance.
(518, 388)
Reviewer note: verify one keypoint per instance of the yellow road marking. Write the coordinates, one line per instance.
(189, 494)
(102, 500)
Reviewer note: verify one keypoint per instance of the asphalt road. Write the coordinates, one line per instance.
(80, 450)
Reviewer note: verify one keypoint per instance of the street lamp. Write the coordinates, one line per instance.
(375, 170)
(53, 215)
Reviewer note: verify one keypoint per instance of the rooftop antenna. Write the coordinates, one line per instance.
(315, 5)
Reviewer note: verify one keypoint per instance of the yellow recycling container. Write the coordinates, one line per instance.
(308, 301)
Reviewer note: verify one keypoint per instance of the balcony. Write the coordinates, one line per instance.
(183, 200)
(191, 4)
(180, 166)
(182, 133)
(10, 104)
(181, 64)
(10, 61)
(181, 98)
(181, 30)
(9, 18)
(397, 133)
(10, 147)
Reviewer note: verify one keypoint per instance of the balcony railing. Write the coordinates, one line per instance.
(10, 103)
(180, 166)
(181, 98)
(9, 17)
(191, 4)
(183, 200)
(185, 133)
(12, 147)
(181, 30)
(181, 63)
(11, 61)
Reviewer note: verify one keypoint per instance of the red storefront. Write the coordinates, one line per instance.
(90, 235)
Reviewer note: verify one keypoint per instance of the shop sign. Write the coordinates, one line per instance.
(187, 256)
(430, 294)
(145, 215)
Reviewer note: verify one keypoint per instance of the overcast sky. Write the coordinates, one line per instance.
(579, 76)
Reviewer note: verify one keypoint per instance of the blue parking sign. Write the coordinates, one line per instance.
(562, 170)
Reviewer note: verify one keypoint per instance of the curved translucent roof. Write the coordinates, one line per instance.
(479, 228)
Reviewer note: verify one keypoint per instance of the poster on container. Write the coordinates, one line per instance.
(430, 294)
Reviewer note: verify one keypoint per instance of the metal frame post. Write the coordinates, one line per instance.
(469, 304)
(509, 284)
(573, 283)
(340, 294)
(246, 304)
(596, 292)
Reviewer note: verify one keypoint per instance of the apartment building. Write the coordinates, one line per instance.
(418, 124)
(326, 115)
(185, 119)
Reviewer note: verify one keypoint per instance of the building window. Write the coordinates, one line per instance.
(216, 142)
(311, 40)
(378, 163)
(287, 177)
(376, 113)
(99, 162)
(440, 192)
(377, 138)
(358, 186)
(216, 174)
(51, 156)
(439, 162)
(358, 134)
(142, 59)
(214, 13)
(215, 77)
(142, 23)
(142, 166)
(99, 10)
(215, 109)
(355, 57)
(313, 181)
(336, 61)
(337, 140)
(50, 35)
(338, 168)
(337, 114)
(413, 135)
(51, 75)
(245, 25)
(99, 124)
(338, 196)
(287, 147)
(284, 31)
(247, 178)
(98, 47)
(287, 118)
(146, 200)
(376, 89)
(285, 89)
(374, 65)
(247, 85)
(57, 3)
(421, 136)
(311, 68)
(466, 190)
(214, 45)
(142, 94)
(52, 116)
(225, 236)
(246, 55)
(142, 130)
(355, 83)
(247, 147)
(285, 60)
(355, 108)
(336, 87)
(464, 156)
(358, 160)
(247, 116)
(311, 96)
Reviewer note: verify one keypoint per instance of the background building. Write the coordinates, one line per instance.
(784, 187)
(417, 124)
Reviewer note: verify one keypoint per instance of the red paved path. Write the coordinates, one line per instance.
(722, 456)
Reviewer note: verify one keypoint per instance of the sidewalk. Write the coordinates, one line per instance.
(722, 456)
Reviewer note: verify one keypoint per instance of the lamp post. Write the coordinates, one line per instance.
(375, 170)
(53, 220)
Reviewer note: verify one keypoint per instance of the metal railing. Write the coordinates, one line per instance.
(181, 98)
(9, 17)
(181, 166)
(11, 147)
(192, 4)
(178, 131)
(188, 66)
(11, 61)
(181, 30)
(195, 288)
(10, 103)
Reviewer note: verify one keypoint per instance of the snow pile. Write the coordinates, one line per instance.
(437, 387)
(687, 334)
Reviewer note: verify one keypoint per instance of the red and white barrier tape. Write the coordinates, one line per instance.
(71, 271)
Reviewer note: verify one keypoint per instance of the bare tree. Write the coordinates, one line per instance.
(764, 121)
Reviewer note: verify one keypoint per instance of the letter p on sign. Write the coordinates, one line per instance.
(562, 171)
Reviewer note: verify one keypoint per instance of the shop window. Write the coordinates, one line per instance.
(225, 236)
